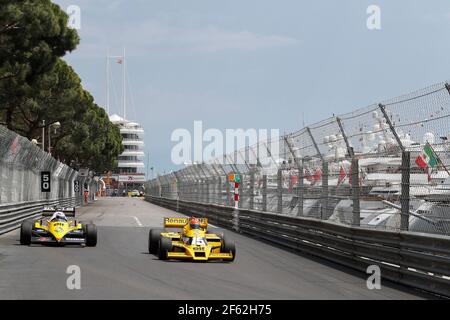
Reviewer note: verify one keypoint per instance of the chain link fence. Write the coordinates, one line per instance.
(384, 166)
(21, 164)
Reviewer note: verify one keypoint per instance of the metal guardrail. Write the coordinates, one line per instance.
(12, 215)
(417, 260)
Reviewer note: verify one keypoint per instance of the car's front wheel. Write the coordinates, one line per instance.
(153, 239)
(229, 246)
(165, 246)
(25, 232)
(91, 235)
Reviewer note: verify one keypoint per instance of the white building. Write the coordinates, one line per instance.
(129, 174)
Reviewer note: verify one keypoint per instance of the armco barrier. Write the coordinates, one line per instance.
(12, 215)
(417, 260)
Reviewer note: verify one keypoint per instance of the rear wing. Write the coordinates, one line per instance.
(181, 222)
(49, 211)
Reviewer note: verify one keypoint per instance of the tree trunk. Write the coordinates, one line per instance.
(9, 117)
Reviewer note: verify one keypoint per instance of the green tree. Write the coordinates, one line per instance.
(93, 142)
(37, 85)
(56, 96)
(33, 35)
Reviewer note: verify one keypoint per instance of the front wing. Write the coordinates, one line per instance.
(75, 237)
(184, 252)
(212, 256)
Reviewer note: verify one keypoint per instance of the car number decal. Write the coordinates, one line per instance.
(198, 241)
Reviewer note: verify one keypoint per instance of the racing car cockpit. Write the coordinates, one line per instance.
(193, 233)
(58, 216)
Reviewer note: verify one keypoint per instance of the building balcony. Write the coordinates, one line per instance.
(132, 142)
(130, 164)
(130, 153)
(132, 130)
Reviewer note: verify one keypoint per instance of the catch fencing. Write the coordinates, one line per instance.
(370, 168)
(21, 164)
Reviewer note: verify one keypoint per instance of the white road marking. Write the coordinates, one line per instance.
(211, 225)
(137, 221)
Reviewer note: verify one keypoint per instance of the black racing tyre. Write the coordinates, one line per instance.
(91, 235)
(153, 239)
(229, 246)
(221, 235)
(165, 245)
(25, 232)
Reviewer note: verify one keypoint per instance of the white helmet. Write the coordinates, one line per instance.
(59, 216)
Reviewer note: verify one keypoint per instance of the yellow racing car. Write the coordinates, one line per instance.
(58, 229)
(193, 242)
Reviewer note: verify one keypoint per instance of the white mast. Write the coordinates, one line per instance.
(107, 81)
(124, 87)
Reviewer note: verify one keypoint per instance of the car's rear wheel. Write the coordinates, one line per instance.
(229, 246)
(25, 232)
(165, 245)
(153, 239)
(91, 235)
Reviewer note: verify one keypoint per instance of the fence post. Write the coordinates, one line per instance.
(314, 143)
(344, 135)
(219, 190)
(404, 199)
(177, 187)
(264, 192)
(241, 191)
(391, 126)
(227, 186)
(299, 164)
(207, 181)
(192, 190)
(212, 190)
(200, 190)
(447, 86)
(182, 189)
(251, 190)
(355, 192)
(300, 189)
(324, 191)
(159, 187)
(280, 191)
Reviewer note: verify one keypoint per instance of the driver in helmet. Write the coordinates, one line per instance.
(194, 223)
(58, 216)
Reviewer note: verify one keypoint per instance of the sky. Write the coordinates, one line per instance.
(259, 64)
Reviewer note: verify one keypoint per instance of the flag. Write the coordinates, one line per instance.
(308, 175)
(120, 61)
(342, 175)
(292, 182)
(317, 174)
(427, 158)
(361, 175)
(350, 174)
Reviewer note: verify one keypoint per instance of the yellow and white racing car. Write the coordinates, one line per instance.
(57, 229)
(193, 242)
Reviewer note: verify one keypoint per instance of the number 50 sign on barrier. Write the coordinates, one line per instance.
(45, 181)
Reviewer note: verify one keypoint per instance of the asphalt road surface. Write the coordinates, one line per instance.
(120, 267)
